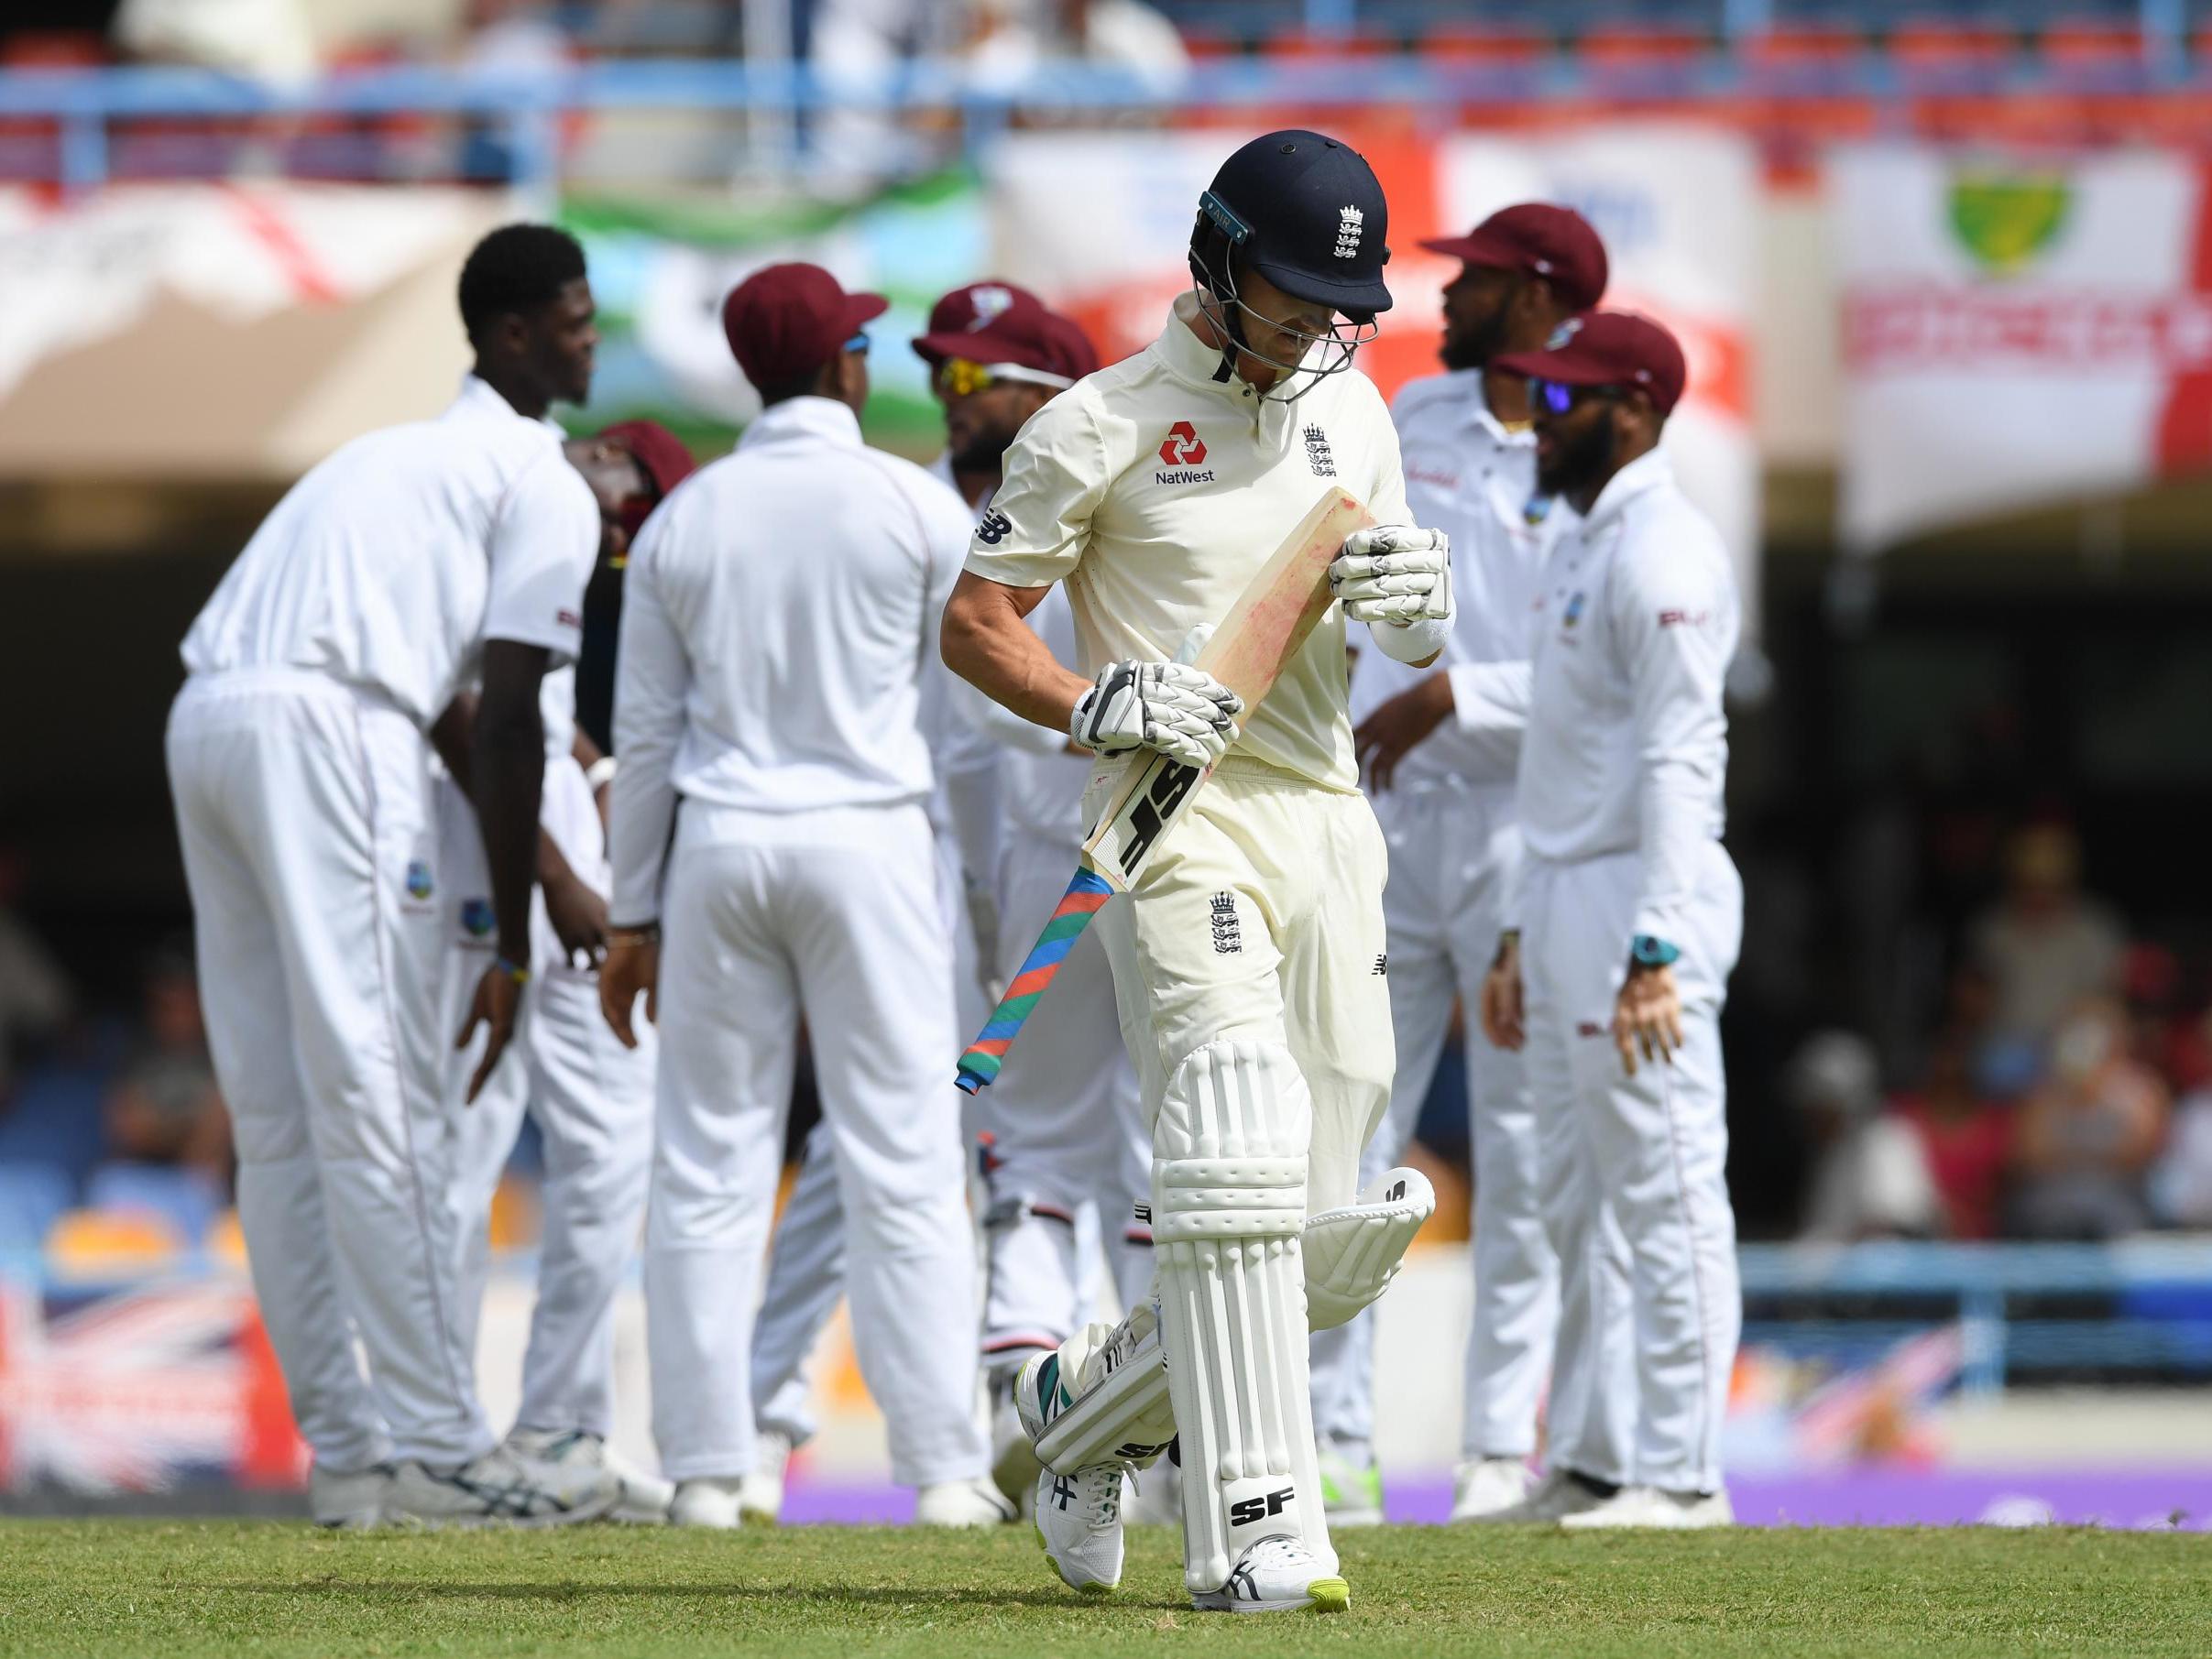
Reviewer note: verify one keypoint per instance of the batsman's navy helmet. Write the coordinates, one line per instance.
(1307, 213)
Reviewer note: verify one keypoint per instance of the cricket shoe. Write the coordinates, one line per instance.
(1488, 1486)
(496, 1490)
(639, 1498)
(975, 1502)
(1352, 1484)
(1278, 1575)
(1653, 1509)
(760, 1496)
(1560, 1493)
(1078, 1519)
(348, 1499)
(712, 1503)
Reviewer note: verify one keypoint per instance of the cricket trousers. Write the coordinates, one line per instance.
(592, 1098)
(304, 809)
(831, 916)
(1453, 852)
(1634, 1174)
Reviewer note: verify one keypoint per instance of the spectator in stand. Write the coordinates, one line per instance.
(2181, 1185)
(1965, 1137)
(1871, 1174)
(35, 997)
(2088, 1134)
(2045, 946)
(1013, 38)
(164, 1106)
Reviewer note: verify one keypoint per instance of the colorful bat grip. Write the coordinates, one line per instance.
(1085, 897)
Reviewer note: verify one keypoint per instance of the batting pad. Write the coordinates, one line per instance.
(1354, 1253)
(1120, 1412)
(1228, 1207)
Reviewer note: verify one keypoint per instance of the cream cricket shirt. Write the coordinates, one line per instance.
(1155, 492)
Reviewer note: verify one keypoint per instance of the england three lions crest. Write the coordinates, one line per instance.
(1350, 224)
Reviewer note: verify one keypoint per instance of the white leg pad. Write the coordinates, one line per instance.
(1354, 1253)
(1229, 1200)
(1117, 1410)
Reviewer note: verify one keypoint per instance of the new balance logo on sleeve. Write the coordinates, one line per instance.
(995, 527)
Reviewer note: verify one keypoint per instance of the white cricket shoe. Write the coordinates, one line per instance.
(760, 1498)
(581, 1455)
(496, 1490)
(1649, 1507)
(1352, 1483)
(1278, 1575)
(1078, 1516)
(709, 1502)
(351, 1499)
(962, 1503)
(1487, 1487)
(1554, 1498)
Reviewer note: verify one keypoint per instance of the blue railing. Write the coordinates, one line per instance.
(84, 107)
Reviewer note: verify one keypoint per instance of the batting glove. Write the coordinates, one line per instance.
(1183, 712)
(1394, 573)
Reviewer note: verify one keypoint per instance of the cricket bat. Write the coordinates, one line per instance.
(1268, 624)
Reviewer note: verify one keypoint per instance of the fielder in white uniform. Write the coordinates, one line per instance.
(1061, 1144)
(775, 625)
(1629, 912)
(1247, 953)
(1441, 771)
(397, 570)
(592, 1097)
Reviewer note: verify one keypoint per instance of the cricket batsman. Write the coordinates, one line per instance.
(1249, 959)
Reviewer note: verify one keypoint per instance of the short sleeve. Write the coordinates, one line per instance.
(542, 544)
(1039, 521)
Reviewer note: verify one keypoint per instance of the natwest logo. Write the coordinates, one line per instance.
(1182, 447)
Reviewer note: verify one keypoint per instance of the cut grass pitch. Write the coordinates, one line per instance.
(179, 1591)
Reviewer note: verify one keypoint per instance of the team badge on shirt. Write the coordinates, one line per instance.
(419, 884)
(1574, 610)
(476, 918)
(1317, 453)
(1227, 936)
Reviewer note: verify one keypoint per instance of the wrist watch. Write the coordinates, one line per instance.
(1648, 951)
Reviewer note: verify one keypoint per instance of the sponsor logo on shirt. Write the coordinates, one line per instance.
(568, 619)
(1182, 446)
(1227, 936)
(996, 527)
(1382, 965)
(1439, 476)
(1589, 1028)
(1317, 453)
(1684, 618)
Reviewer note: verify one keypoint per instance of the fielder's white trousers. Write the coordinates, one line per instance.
(831, 916)
(1637, 1192)
(593, 1101)
(1453, 857)
(309, 848)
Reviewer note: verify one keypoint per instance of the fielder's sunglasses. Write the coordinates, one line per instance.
(1560, 397)
(963, 377)
(859, 343)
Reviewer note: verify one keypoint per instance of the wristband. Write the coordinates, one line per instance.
(1508, 939)
(514, 971)
(1647, 950)
(600, 773)
(644, 932)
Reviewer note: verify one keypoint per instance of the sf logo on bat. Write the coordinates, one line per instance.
(1150, 815)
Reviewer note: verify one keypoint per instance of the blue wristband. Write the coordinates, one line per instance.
(1646, 951)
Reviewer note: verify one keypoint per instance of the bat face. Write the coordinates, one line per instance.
(1268, 625)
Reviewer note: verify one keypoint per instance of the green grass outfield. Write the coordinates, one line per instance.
(173, 1590)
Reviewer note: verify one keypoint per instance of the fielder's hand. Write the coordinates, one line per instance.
(498, 1002)
(1504, 1014)
(579, 920)
(1394, 573)
(1183, 712)
(1648, 1017)
(632, 966)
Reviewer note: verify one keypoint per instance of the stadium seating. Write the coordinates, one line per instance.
(31, 1197)
(188, 1200)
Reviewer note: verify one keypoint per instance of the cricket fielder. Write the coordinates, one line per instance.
(775, 624)
(1441, 747)
(398, 569)
(1248, 956)
(592, 1097)
(1628, 912)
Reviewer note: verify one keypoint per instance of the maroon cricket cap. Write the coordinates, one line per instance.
(786, 321)
(1554, 243)
(1023, 336)
(656, 450)
(974, 306)
(1609, 348)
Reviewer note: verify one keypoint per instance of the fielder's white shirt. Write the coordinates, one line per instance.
(390, 562)
(1156, 493)
(1469, 476)
(779, 618)
(1628, 745)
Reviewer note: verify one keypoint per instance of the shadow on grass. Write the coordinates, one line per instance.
(389, 1589)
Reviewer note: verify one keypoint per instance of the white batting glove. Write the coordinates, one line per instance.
(1183, 712)
(1394, 573)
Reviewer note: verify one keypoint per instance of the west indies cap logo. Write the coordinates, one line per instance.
(1565, 332)
(2005, 220)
